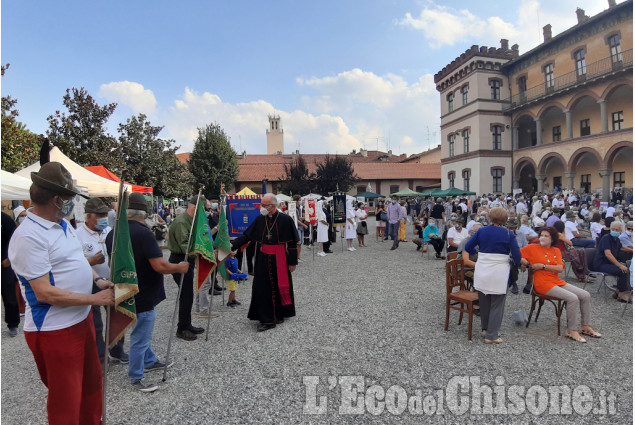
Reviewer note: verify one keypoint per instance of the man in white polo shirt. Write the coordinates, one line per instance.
(57, 281)
(571, 232)
(92, 235)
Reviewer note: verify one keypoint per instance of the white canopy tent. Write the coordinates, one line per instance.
(14, 188)
(311, 196)
(94, 184)
(348, 198)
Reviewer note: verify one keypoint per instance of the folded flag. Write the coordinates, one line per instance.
(202, 247)
(123, 274)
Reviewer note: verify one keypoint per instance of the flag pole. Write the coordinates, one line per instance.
(178, 296)
(104, 366)
(213, 277)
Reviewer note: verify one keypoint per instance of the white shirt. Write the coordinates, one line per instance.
(569, 228)
(610, 211)
(456, 236)
(558, 203)
(470, 224)
(463, 207)
(521, 208)
(44, 248)
(596, 229)
(92, 244)
(525, 230)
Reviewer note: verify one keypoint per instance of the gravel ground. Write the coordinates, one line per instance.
(374, 314)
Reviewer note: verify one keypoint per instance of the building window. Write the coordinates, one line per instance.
(451, 176)
(495, 88)
(557, 183)
(419, 189)
(464, 90)
(497, 66)
(522, 85)
(497, 136)
(497, 180)
(549, 77)
(618, 120)
(580, 62)
(585, 127)
(394, 188)
(451, 102)
(557, 134)
(361, 189)
(466, 141)
(585, 183)
(451, 144)
(616, 48)
(466, 180)
(618, 179)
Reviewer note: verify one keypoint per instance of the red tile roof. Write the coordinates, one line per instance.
(255, 168)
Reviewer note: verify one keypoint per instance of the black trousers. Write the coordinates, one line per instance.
(187, 292)
(437, 244)
(9, 298)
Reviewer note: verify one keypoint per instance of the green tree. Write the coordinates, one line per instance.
(81, 133)
(150, 160)
(335, 173)
(213, 160)
(297, 179)
(20, 147)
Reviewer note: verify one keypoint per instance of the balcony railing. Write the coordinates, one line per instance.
(594, 70)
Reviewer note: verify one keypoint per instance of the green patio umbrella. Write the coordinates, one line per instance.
(405, 192)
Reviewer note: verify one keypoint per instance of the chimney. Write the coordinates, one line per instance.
(581, 15)
(364, 152)
(390, 153)
(611, 3)
(546, 31)
(504, 44)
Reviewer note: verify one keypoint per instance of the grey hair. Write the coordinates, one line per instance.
(616, 224)
(474, 228)
(132, 213)
(273, 199)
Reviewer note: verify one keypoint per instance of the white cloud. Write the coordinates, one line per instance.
(442, 25)
(131, 94)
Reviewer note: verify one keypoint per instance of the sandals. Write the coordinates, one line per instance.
(493, 341)
(578, 339)
(592, 334)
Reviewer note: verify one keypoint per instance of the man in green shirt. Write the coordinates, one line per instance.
(177, 244)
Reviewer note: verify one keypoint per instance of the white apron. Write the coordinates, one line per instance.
(491, 273)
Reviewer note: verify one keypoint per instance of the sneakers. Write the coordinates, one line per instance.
(144, 386)
(123, 359)
(13, 332)
(158, 366)
(299, 261)
(186, 334)
(206, 314)
(351, 249)
(233, 304)
(321, 254)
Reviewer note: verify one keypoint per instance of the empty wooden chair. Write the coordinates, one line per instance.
(457, 295)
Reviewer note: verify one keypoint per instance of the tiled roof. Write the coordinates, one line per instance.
(259, 167)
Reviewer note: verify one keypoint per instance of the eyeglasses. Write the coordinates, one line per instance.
(267, 205)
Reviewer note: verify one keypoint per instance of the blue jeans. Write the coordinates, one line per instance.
(583, 243)
(141, 354)
(393, 231)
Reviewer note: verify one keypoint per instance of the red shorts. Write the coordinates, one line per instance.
(68, 364)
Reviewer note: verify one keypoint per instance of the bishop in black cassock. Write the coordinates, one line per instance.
(276, 239)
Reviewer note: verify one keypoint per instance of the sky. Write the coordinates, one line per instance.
(342, 75)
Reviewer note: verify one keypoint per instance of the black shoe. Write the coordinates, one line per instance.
(265, 327)
(157, 366)
(187, 335)
(196, 330)
(217, 287)
(251, 273)
(419, 247)
(236, 302)
(514, 289)
(231, 305)
(329, 251)
(281, 320)
(217, 292)
(526, 289)
(393, 248)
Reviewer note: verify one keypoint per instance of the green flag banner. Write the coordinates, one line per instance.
(123, 274)
(221, 242)
(202, 246)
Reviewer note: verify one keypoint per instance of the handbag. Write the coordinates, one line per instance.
(383, 217)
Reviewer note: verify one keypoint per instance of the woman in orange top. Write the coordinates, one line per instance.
(546, 261)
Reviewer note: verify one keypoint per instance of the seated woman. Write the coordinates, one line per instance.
(546, 262)
(576, 255)
(606, 261)
(431, 236)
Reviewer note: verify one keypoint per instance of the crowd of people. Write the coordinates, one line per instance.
(64, 275)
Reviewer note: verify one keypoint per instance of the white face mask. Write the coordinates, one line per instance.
(264, 211)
